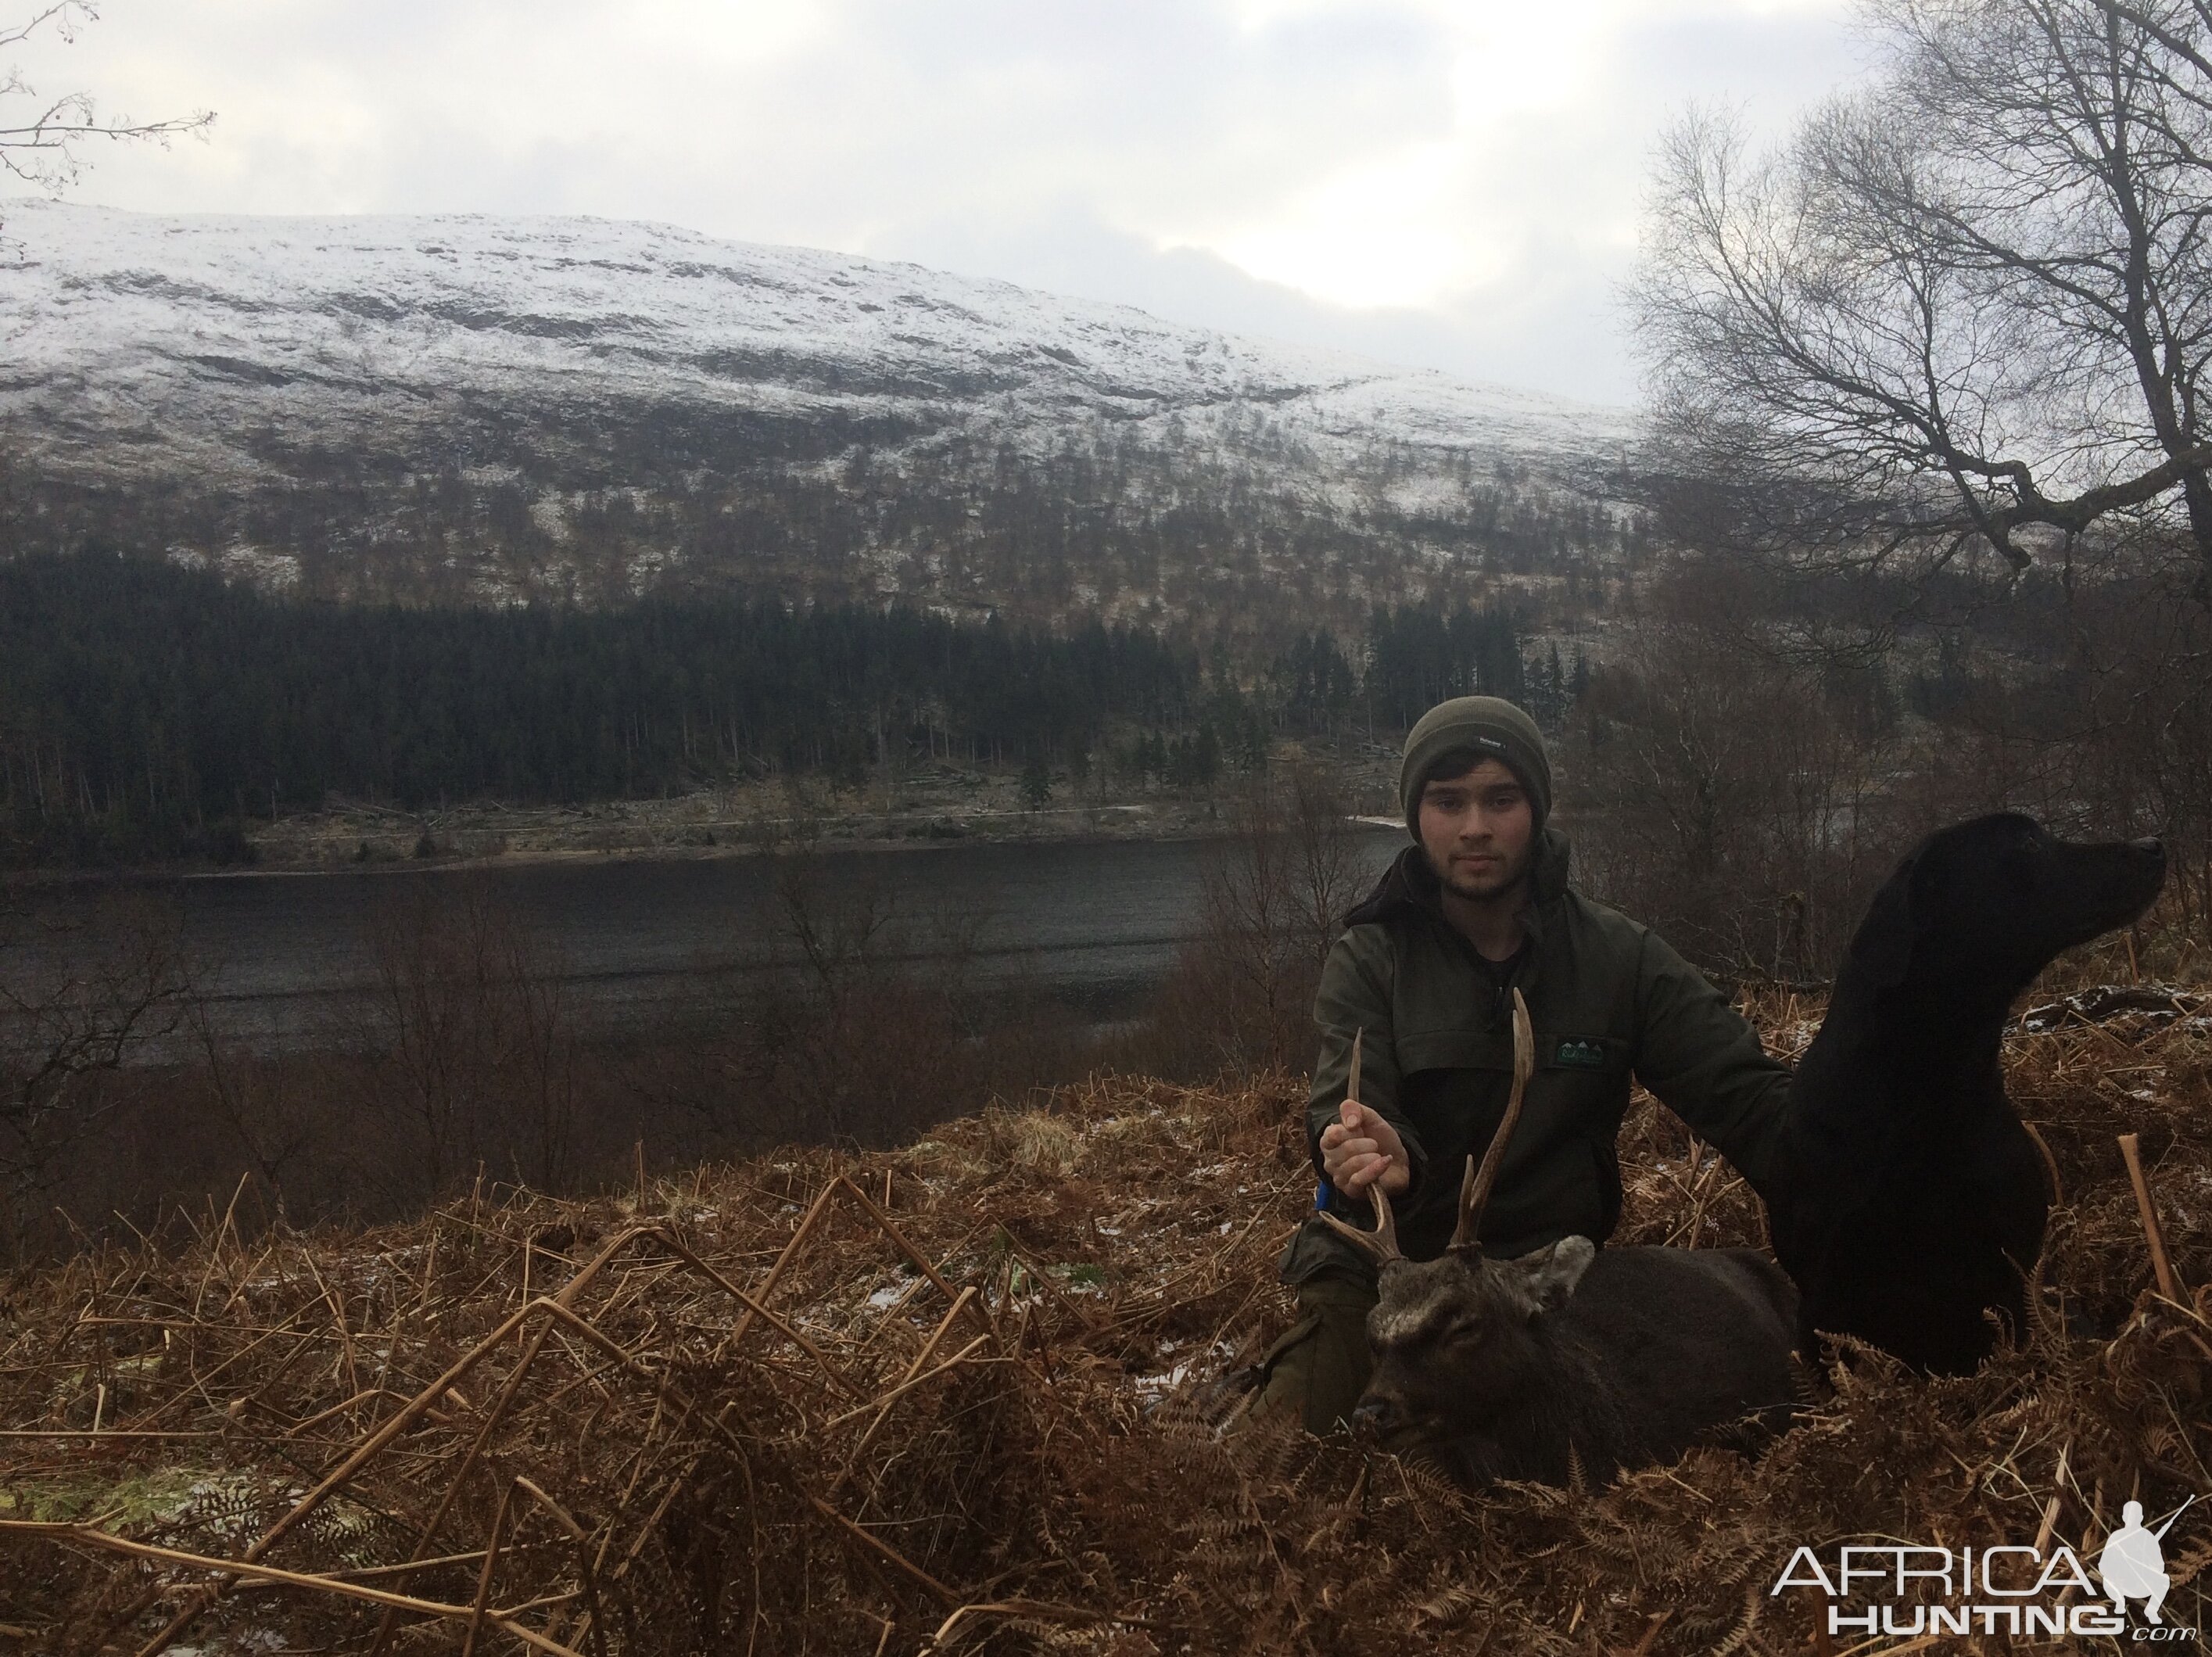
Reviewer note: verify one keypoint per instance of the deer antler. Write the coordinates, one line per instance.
(1381, 1242)
(1474, 1189)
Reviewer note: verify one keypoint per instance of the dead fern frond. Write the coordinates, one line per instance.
(762, 1446)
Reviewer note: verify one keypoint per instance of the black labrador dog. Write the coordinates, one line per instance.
(1911, 1198)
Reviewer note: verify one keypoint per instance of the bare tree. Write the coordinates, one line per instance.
(255, 1101)
(43, 139)
(1966, 307)
(1728, 795)
(475, 1045)
(866, 1042)
(73, 1012)
(1272, 896)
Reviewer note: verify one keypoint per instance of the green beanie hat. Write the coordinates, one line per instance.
(1489, 725)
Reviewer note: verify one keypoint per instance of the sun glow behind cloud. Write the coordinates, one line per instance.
(1446, 216)
(1454, 184)
(1383, 233)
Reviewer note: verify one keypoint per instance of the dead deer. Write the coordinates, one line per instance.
(1572, 1359)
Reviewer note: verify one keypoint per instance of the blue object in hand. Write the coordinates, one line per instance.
(1320, 1197)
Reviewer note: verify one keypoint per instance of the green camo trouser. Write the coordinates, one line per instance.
(1320, 1367)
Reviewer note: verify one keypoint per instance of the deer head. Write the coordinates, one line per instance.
(1451, 1336)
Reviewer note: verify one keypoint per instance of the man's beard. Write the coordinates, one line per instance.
(1489, 888)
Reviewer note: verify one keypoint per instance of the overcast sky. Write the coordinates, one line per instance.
(1452, 185)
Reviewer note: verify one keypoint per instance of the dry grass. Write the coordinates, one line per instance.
(963, 1396)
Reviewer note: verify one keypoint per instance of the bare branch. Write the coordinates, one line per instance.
(79, 1009)
(42, 143)
(1970, 300)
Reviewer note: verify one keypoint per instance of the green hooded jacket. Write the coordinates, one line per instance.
(1608, 1001)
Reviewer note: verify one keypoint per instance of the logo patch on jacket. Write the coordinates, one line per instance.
(1578, 1054)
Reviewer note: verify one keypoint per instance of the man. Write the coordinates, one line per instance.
(1478, 907)
(2133, 1565)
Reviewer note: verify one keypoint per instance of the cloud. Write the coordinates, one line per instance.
(1452, 185)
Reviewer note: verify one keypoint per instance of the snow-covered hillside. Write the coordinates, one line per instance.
(226, 354)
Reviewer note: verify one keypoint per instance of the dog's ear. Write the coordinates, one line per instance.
(1893, 924)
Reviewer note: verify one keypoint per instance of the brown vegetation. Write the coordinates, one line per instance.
(1273, 899)
(963, 1396)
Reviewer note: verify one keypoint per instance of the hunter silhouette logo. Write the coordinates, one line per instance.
(2133, 1565)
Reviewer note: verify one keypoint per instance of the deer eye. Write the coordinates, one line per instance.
(1433, 1333)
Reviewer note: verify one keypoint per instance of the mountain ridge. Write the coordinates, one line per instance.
(228, 366)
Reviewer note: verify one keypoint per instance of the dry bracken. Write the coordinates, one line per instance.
(969, 1396)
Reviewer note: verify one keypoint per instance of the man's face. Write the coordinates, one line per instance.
(1479, 831)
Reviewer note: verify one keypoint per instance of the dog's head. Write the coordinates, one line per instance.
(1987, 905)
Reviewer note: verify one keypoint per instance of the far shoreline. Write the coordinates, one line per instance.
(704, 826)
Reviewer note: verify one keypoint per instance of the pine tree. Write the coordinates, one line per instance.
(1035, 782)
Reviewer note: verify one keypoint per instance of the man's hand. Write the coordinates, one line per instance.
(1360, 1148)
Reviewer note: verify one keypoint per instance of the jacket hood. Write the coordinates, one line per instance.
(1410, 886)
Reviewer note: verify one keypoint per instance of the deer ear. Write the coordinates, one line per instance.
(1550, 1274)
